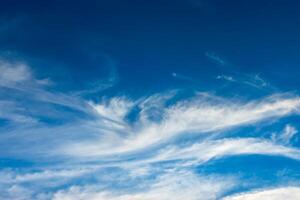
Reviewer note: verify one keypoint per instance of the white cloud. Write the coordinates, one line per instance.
(254, 80)
(46, 175)
(185, 78)
(16, 192)
(10, 110)
(19, 77)
(13, 73)
(247, 79)
(205, 151)
(199, 115)
(174, 185)
(202, 152)
(227, 78)
(284, 193)
(202, 114)
(30, 185)
(286, 135)
(106, 133)
(114, 109)
(217, 59)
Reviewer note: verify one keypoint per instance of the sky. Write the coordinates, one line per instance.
(150, 100)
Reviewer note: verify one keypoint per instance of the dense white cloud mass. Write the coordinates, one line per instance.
(284, 193)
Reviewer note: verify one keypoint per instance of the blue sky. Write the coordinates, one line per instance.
(149, 100)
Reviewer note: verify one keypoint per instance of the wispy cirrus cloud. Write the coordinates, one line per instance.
(18, 80)
(199, 153)
(199, 115)
(292, 193)
(172, 185)
(114, 109)
(286, 135)
(227, 78)
(130, 136)
(184, 78)
(253, 80)
(14, 73)
(98, 86)
(216, 58)
(234, 76)
(175, 184)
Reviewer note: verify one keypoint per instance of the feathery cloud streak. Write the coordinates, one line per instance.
(131, 135)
